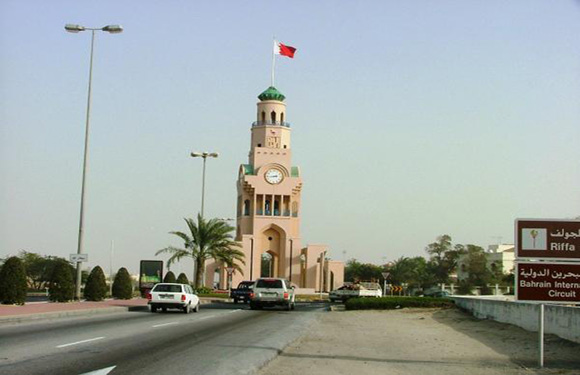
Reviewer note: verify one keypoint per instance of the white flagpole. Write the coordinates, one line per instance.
(273, 62)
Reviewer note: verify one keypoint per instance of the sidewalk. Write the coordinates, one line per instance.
(51, 310)
(420, 341)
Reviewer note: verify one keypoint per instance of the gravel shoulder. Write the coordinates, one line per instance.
(415, 341)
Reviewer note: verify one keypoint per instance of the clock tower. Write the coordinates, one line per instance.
(269, 191)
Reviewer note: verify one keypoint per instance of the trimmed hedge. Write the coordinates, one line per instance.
(169, 277)
(13, 282)
(61, 287)
(391, 303)
(96, 287)
(182, 279)
(123, 285)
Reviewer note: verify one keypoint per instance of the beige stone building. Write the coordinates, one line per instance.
(269, 191)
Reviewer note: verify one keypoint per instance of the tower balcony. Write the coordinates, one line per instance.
(271, 123)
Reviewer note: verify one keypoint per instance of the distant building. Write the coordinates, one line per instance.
(268, 210)
(498, 257)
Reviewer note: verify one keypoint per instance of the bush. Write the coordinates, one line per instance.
(203, 290)
(13, 284)
(96, 287)
(389, 303)
(123, 285)
(61, 287)
(182, 279)
(169, 277)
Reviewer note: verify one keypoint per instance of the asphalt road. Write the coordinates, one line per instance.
(220, 339)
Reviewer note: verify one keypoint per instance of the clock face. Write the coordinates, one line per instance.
(273, 176)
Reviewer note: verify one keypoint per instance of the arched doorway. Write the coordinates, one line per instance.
(267, 265)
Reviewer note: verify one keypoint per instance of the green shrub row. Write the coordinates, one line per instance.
(390, 303)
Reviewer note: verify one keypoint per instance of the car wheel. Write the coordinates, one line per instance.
(153, 308)
(288, 307)
(187, 308)
(254, 306)
(164, 309)
(235, 300)
(196, 308)
(293, 306)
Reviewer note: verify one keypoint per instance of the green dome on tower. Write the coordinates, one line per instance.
(271, 93)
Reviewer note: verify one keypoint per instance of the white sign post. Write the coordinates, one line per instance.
(385, 277)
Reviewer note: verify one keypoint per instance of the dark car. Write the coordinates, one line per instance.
(242, 292)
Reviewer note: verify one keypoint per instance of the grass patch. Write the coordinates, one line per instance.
(214, 295)
(391, 303)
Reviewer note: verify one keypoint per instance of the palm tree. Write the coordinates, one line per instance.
(207, 239)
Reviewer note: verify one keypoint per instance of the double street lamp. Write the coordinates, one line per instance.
(203, 155)
(113, 29)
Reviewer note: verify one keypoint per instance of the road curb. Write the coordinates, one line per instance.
(63, 314)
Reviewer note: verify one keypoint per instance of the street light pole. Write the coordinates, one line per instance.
(113, 29)
(203, 155)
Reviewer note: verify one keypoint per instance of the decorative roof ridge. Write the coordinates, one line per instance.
(271, 93)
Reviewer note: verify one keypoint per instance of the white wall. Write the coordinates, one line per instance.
(563, 321)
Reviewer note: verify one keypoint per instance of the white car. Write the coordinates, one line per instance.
(173, 296)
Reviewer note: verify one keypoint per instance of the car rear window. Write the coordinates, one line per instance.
(245, 285)
(167, 288)
(269, 284)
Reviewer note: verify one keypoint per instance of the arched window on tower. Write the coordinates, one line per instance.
(282, 118)
(247, 207)
(267, 207)
(263, 117)
(273, 117)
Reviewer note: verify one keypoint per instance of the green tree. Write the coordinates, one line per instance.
(206, 239)
(61, 287)
(123, 284)
(416, 271)
(476, 266)
(356, 271)
(96, 287)
(13, 284)
(182, 279)
(443, 258)
(169, 277)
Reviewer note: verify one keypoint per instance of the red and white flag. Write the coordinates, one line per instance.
(284, 50)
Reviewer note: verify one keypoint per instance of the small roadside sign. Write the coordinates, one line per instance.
(547, 239)
(75, 258)
(548, 282)
(386, 275)
(230, 270)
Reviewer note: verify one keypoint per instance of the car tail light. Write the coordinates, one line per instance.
(148, 295)
(183, 297)
(251, 295)
(285, 295)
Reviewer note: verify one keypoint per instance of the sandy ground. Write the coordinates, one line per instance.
(420, 341)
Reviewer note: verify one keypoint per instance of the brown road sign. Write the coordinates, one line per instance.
(548, 282)
(548, 239)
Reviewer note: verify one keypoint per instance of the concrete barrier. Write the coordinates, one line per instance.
(563, 321)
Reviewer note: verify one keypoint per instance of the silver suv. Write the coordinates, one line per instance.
(272, 292)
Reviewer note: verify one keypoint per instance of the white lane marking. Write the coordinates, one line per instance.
(79, 342)
(233, 311)
(103, 371)
(164, 324)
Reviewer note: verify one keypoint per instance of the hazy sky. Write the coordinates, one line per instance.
(410, 119)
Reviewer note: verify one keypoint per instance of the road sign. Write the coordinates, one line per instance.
(74, 258)
(386, 275)
(548, 282)
(547, 239)
(230, 270)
